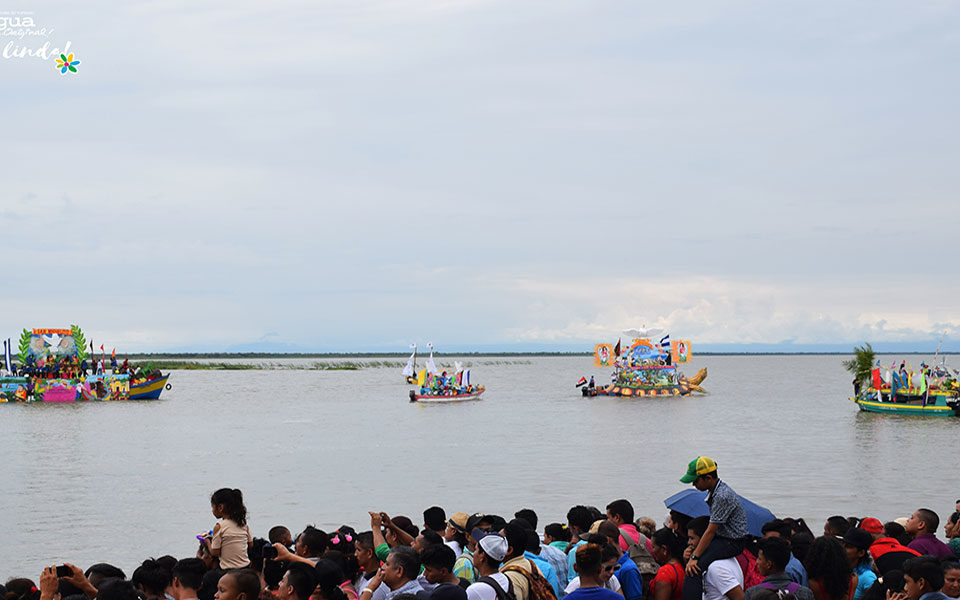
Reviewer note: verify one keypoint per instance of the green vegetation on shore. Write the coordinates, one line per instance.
(345, 365)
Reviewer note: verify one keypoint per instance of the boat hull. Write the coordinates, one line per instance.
(628, 392)
(148, 390)
(936, 406)
(474, 395)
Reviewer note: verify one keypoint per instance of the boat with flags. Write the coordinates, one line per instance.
(931, 390)
(436, 385)
(53, 367)
(648, 367)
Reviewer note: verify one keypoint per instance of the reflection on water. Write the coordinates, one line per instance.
(122, 481)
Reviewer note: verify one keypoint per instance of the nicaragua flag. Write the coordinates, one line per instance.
(665, 342)
(7, 359)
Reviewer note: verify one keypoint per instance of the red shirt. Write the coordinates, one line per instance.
(673, 574)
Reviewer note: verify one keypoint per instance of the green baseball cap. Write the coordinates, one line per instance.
(701, 465)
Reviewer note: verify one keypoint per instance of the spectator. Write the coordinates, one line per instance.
(922, 526)
(589, 566)
(828, 570)
(187, 578)
(491, 549)
(723, 578)
(923, 578)
(400, 572)
(773, 556)
(627, 572)
(515, 565)
(280, 535)
(620, 512)
(836, 526)
(298, 582)
(455, 535)
(151, 579)
(856, 543)
(951, 579)
(231, 536)
(435, 519)
(240, 584)
(667, 548)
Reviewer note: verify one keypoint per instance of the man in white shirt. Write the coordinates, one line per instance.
(724, 578)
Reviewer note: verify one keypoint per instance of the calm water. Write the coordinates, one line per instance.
(119, 482)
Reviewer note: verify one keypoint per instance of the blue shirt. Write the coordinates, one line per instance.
(572, 559)
(865, 578)
(726, 510)
(558, 561)
(631, 584)
(796, 571)
(593, 593)
(549, 573)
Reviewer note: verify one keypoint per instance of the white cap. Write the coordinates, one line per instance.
(494, 545)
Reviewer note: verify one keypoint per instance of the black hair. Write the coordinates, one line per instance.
(949, 565)
(892, 581)
(255, 554)
(439, 557)
(698, 525)
(776, 550)
(826, 561)
(208, 586)
(151, 577)
(621, 508)
(21, 588)
(931, 519)
(364, 540)
(557, 531)
(897, 532)
(431, 538)
(533, 541)
(407, 559)
(190, 572)
(346, 562)
(610, 551)
(275, 535)
(117, 589)
(528, 515)
(671, 540)
(588, 558)
(781, 527)
(580, 516)
(232, 501)
(105, 571)
(435, 518)
(496, 522)
(800, 543)
(680, 519)
(596, 538)
(405, 524)
(926, 568)
(303, 578)
(596, 514)
(839, 525)
(316, 541)
(329, 577)
(248, 582)
(516, 540)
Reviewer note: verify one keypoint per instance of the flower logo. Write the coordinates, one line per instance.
(66, 63)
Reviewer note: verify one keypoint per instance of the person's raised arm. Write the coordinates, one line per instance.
(77, 578)
(284, 554)
(376, 524)
(49, 582)
(403, 538)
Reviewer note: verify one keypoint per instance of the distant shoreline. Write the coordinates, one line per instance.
(353, 355)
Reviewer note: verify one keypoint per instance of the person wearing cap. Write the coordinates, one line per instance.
(491, 548)
(857, 542)
(724, 536)
(464, 567)
(922, 526)
(456, 532)
(887, 552)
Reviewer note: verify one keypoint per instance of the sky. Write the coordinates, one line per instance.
(359, 175)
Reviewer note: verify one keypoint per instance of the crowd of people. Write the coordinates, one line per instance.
(592, 555)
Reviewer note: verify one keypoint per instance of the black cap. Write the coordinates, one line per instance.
(858, 538)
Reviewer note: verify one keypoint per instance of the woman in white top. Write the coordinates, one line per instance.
(231, 537)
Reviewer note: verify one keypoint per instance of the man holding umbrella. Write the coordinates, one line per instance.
(725, 534)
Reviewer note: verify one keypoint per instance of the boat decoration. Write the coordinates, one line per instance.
(436, 385)
(54, 368)
(648, 367)
(410, 370)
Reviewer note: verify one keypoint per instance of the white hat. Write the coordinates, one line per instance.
(494, 545)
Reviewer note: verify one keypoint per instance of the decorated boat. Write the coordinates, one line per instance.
(54, 369)
(930, 390)
(435, 385)
(647, 368)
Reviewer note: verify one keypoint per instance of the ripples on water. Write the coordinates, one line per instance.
(119, 482)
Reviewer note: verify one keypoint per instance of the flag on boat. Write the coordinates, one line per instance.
(582, 381)
(6, 355)
(431, 366)
(665, 341)
(408, 370)
(616, 349)
(466, 377)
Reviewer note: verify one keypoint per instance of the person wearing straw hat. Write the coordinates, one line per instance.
(724, 536)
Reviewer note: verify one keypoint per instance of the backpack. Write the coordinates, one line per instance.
(638, 553)
(501, 593)
(540, 588)
(790, 588)
(748, 564)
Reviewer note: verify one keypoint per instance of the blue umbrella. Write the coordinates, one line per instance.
(694, 503)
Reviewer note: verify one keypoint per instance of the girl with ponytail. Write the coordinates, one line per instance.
(231, 536)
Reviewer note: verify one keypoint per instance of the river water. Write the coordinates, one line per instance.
(119, 482)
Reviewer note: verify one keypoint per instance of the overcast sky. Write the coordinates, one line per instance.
(360, 175)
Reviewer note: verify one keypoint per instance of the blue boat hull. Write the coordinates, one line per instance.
(148, 390)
